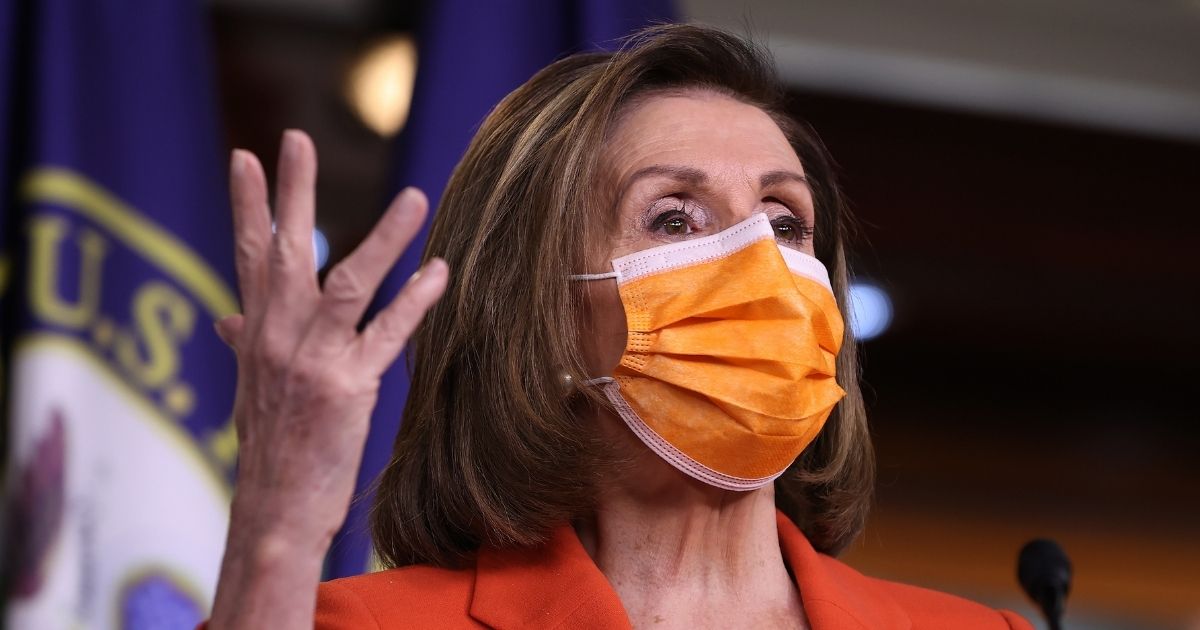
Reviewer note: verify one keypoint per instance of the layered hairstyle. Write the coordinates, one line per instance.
(492, 447)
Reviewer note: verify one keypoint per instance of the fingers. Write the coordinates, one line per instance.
(277, 271)
(352, 283)
(295, 209)
(251, 227)
(385, 336)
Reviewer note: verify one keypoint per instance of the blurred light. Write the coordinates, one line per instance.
(320, 248)
(870, 310)
(380, 84)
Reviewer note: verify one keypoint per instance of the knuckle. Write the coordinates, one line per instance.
(311, 379)
(411, 307)
(395, 327)
(344, 284)
(386, 329)
(408, 305)
(309, 376)
(272, 350)
(342, 385)
(322, 383)
(249, 247)
(283, 250)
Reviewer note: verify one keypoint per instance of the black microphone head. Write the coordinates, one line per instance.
(1044, 571)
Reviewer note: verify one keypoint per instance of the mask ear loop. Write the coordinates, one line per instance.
(594, 276)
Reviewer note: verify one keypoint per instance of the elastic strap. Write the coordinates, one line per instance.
(593, 276)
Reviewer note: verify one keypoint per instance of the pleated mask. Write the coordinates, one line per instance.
(729, 364)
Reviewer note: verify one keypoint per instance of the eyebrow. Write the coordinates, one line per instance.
(694, 176)
(773, 178)
(684, 174)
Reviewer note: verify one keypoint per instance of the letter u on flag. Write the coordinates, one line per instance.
(117, 258)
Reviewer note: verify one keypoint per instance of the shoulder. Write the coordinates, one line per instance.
(932, 609)
(408, 597)
(838, 596)
(928, 608)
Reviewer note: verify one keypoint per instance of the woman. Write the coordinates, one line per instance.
(635, 403)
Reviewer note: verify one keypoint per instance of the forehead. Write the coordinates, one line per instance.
(698, 128)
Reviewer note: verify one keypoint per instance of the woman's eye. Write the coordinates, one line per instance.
(675, 226)
(672, 223)
(791, 230)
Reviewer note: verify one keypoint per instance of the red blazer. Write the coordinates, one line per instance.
(558, 586)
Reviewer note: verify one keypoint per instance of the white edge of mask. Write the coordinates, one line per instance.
(691, 252)
(674, 456)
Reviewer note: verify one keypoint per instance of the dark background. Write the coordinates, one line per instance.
(1039, 376)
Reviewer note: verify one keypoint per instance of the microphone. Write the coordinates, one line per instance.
(1044, 571)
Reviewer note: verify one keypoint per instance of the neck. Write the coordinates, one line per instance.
(671, 546)
(695, 533)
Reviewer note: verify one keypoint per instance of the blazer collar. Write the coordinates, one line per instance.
(557, 585)
(834, 595)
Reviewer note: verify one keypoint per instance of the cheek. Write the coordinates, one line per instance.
(604, 328)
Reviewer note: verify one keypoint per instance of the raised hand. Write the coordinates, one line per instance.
(307, 381)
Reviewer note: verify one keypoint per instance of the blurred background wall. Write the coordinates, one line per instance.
(1026, 174)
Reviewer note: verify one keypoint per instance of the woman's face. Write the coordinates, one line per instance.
(684, 166)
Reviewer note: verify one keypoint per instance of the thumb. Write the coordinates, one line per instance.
(229, 329)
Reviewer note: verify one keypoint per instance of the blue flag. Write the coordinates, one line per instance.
(118, 250)
(471, 53)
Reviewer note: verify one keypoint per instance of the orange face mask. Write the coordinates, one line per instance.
(728, 369)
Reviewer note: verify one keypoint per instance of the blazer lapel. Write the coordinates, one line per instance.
(834, 595)
(555, 585)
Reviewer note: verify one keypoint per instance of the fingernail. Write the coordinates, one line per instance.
(237, 162)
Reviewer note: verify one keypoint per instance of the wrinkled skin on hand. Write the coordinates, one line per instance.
(307, 378)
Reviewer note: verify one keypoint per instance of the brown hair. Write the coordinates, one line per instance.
(491, 448)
